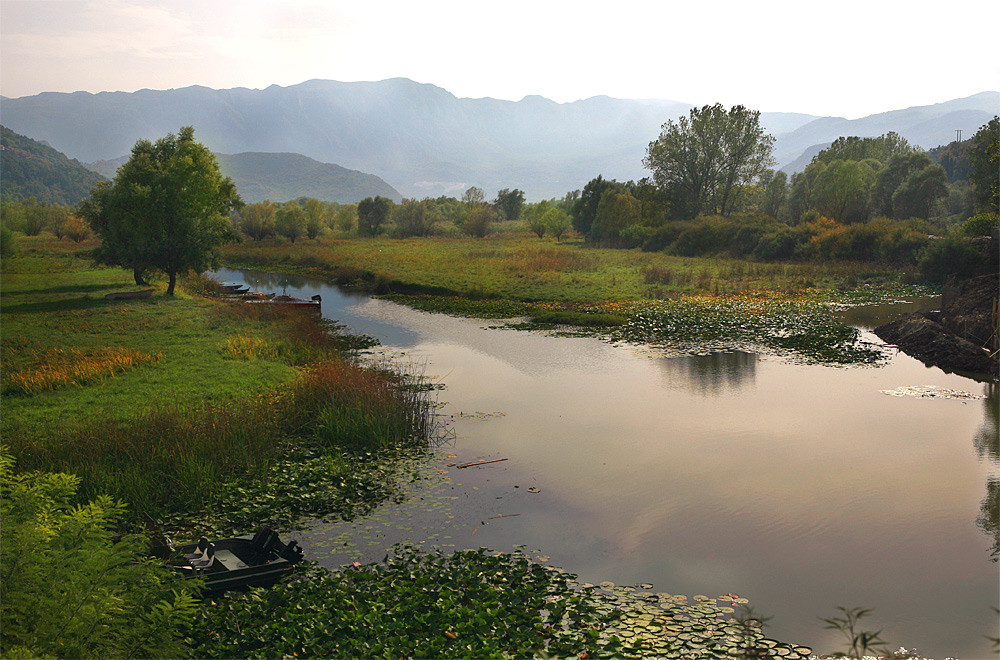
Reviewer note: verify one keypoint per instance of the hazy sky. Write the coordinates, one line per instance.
(848, 58)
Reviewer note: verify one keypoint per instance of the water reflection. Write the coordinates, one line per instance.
(868, 317)
(714, 374)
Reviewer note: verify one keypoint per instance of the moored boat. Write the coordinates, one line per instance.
(243, 561)
(313, 303)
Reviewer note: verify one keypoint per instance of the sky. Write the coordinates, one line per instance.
(849, 58)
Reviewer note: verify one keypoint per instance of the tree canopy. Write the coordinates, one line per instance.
(706, 159)
(167, 209)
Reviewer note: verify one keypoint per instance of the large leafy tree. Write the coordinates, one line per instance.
(881, 148)
(704, 161)
(841, 190)
(167, 209)
(585, 207)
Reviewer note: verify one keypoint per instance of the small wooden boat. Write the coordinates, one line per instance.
(312, 303)
(129, 295)
(243, 561)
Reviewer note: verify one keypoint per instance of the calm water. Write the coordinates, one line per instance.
(799, 487)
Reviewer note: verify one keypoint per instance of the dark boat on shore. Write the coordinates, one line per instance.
(243, 561)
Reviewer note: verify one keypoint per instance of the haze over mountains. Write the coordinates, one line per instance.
(424, 141)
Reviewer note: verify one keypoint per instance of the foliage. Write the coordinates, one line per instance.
(918, 194)
(167, 209)
(8, 244)
(70, 589)
(951, 256)
(709, 157)
(509, 203)
(557, 221)
(616, 211)
(954, 158)
(475, 219)
(415, 218)
(981, 224)
(861, 643)
(346, 217)
(76, 229)
(35, 170)
(258, 220)
(585, 208)
(841, 190)
(984, 160)
(881, 148)
(373, 214)
(291, 221)
(775, 193)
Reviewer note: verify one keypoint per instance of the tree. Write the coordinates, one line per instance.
(775, 192)
(475, 220)
(557, 222)
(473, 197)
(373, 213)
(585, 207)
(984, 161)
(291, 221)
(918, 194)
(167, 209)
(346, 217)
(881, 148)
(841, 191)
(76, 229)
(703, 161)
(891, 177)
(617, 210)
(415, 218)
(509, 203)
(258, 220)
(534, 218)
(317, 214)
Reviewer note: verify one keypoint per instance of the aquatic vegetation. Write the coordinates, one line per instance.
(470, 603)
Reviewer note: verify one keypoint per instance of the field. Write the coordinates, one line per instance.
(521, 267)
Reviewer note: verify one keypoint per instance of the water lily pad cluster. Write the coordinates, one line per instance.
(770, 323)
(647, 624)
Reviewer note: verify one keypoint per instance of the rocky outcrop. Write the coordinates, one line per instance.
(962, 336)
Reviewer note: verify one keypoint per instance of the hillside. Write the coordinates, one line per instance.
(32, 169)
(424, 141)
(282, 177)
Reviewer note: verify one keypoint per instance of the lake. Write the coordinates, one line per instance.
(800, 487)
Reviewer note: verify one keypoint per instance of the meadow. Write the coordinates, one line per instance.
(518, 266)
(199, 412)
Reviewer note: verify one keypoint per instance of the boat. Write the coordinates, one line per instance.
(129, 295)
(259, 560)
(289, 301)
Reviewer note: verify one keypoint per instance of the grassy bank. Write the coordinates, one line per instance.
(189, 408)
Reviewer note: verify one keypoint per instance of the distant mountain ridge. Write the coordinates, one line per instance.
(281, 177)
(424, 141)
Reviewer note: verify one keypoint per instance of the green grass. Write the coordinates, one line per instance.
(220, 398)
(522, 267)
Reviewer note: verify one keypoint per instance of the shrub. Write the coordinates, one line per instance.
(981, 224)
(952, 256)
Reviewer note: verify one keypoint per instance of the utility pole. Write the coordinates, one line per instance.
(958, 135)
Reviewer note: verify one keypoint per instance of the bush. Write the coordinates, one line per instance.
(70, 590)
(948, 257)
(981, 224)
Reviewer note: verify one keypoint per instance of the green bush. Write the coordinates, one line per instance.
(70, 589)
(952, 256)
(981, 224)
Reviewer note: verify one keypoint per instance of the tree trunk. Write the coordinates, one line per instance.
(139, 280)
(173, 280)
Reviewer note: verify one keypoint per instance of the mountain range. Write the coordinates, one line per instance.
(280, 177)
(424, 141)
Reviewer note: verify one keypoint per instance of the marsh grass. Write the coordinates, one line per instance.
(519, 266)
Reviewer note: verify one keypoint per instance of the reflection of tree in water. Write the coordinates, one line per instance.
(271, 282)
(987, 439)
(714, 373)
(989, 515)
(987, 443)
